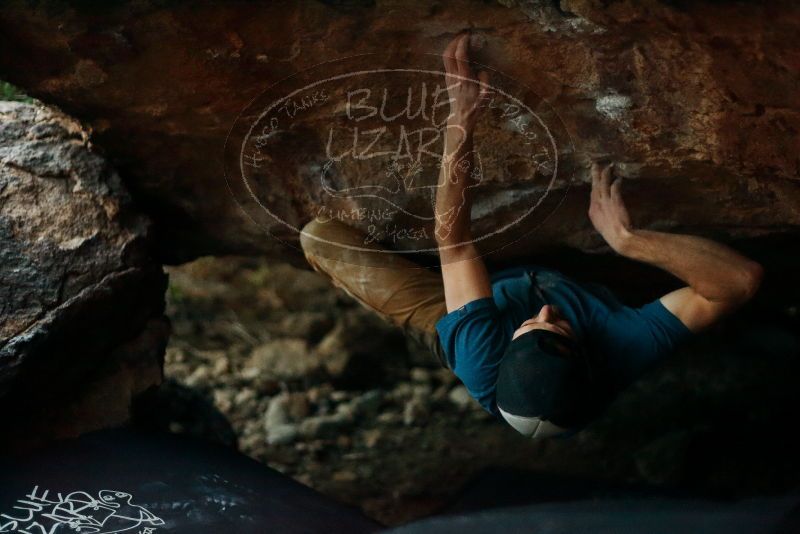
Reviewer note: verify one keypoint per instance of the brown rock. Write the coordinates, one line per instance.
(285, 359)
(362, 351)
(307, 325)
(697, 101)
(81, 321)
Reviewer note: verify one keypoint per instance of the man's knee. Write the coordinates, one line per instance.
(332, 233)
(324, 245)
(310, 236)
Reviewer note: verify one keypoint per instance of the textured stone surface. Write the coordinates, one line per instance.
(287, 359)
(681, 426)
(81, 324)
(697, 101)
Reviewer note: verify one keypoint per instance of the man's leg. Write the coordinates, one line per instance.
(407, 295)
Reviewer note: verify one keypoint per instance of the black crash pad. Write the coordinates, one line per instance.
(777, 515)
(121, 481)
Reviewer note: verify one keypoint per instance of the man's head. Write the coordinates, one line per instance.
(546, 383)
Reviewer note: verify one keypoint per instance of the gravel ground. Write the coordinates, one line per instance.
(274, 360)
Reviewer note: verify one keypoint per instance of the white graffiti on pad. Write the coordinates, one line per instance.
(109, 513)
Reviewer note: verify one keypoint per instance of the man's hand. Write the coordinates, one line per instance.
(607, 210)
(466, 95)
(719, 279)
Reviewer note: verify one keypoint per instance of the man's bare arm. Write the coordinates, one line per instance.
(719, 279)
(463, 271)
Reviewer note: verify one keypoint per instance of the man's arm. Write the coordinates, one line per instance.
(463, 271)
(719, 279)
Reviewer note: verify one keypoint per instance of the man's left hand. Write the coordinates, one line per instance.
(607, 210)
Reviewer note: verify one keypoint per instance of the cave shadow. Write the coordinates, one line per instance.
(173, 408)
(715, 420)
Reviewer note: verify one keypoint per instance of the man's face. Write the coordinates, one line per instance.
(548, 318)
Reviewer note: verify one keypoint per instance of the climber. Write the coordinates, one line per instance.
(533, 347)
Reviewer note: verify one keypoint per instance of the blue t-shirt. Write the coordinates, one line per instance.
(475, 336)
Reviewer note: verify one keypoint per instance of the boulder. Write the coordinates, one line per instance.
(308, 325)
(277, 421)
(461, 398)
(697, 102)
(362, 351)
(82, 329)
(368, 404)
(284, 359)
(325, 426)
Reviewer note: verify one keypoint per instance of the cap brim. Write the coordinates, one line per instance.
(532, 427)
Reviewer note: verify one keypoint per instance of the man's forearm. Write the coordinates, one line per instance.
(714, 271)
(453, 201)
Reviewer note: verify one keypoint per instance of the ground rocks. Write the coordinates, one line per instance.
(402, 449)
(363, 351)
(309, 426)
(284, 413)
(415, 412)
(81, 321)
(309, 326)
(461, 398)
(368, 404)
(326, 426)
(284, 359)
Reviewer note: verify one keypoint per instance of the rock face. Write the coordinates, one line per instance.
(81, 324)
(696, 101)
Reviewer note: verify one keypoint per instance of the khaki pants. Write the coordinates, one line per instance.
(399, 290)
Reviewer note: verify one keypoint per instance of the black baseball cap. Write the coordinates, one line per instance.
(548, 385)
